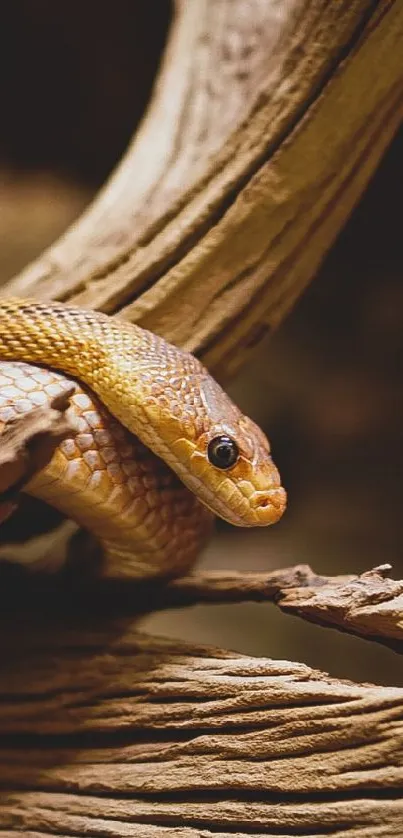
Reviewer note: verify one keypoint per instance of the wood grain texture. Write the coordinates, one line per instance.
(108, 732)
(267, 122)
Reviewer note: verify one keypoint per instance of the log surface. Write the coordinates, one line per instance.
(109, 732)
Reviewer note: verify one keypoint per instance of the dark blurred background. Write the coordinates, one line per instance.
(74, 81)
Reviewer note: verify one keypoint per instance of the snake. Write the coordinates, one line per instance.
(157, 449)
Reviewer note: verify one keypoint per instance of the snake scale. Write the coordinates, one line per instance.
(157, 444)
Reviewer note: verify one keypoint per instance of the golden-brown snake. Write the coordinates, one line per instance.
(147, 413)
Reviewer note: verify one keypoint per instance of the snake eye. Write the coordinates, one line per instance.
(222, 452)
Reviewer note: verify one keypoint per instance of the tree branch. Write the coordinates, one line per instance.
(27, 444)
(267, 122)
(369, 605)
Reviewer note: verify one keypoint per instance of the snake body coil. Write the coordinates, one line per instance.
(165, 406)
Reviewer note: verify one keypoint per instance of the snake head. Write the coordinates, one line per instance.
(238, 479)
(219, 453)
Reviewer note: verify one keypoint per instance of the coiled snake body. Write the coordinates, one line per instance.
(150, 420)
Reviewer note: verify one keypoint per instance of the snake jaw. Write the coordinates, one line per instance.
(248, 495)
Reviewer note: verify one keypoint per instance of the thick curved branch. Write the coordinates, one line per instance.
(267, 123)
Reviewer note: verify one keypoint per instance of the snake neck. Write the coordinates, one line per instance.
(128, 367)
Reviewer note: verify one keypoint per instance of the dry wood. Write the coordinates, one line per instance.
(267, 122)
(108, 732)
(105, 731)
(27, 444)
(369, 605)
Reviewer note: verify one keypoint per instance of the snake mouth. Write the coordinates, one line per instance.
(261, 510)
(269, 506)
(273, 497)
